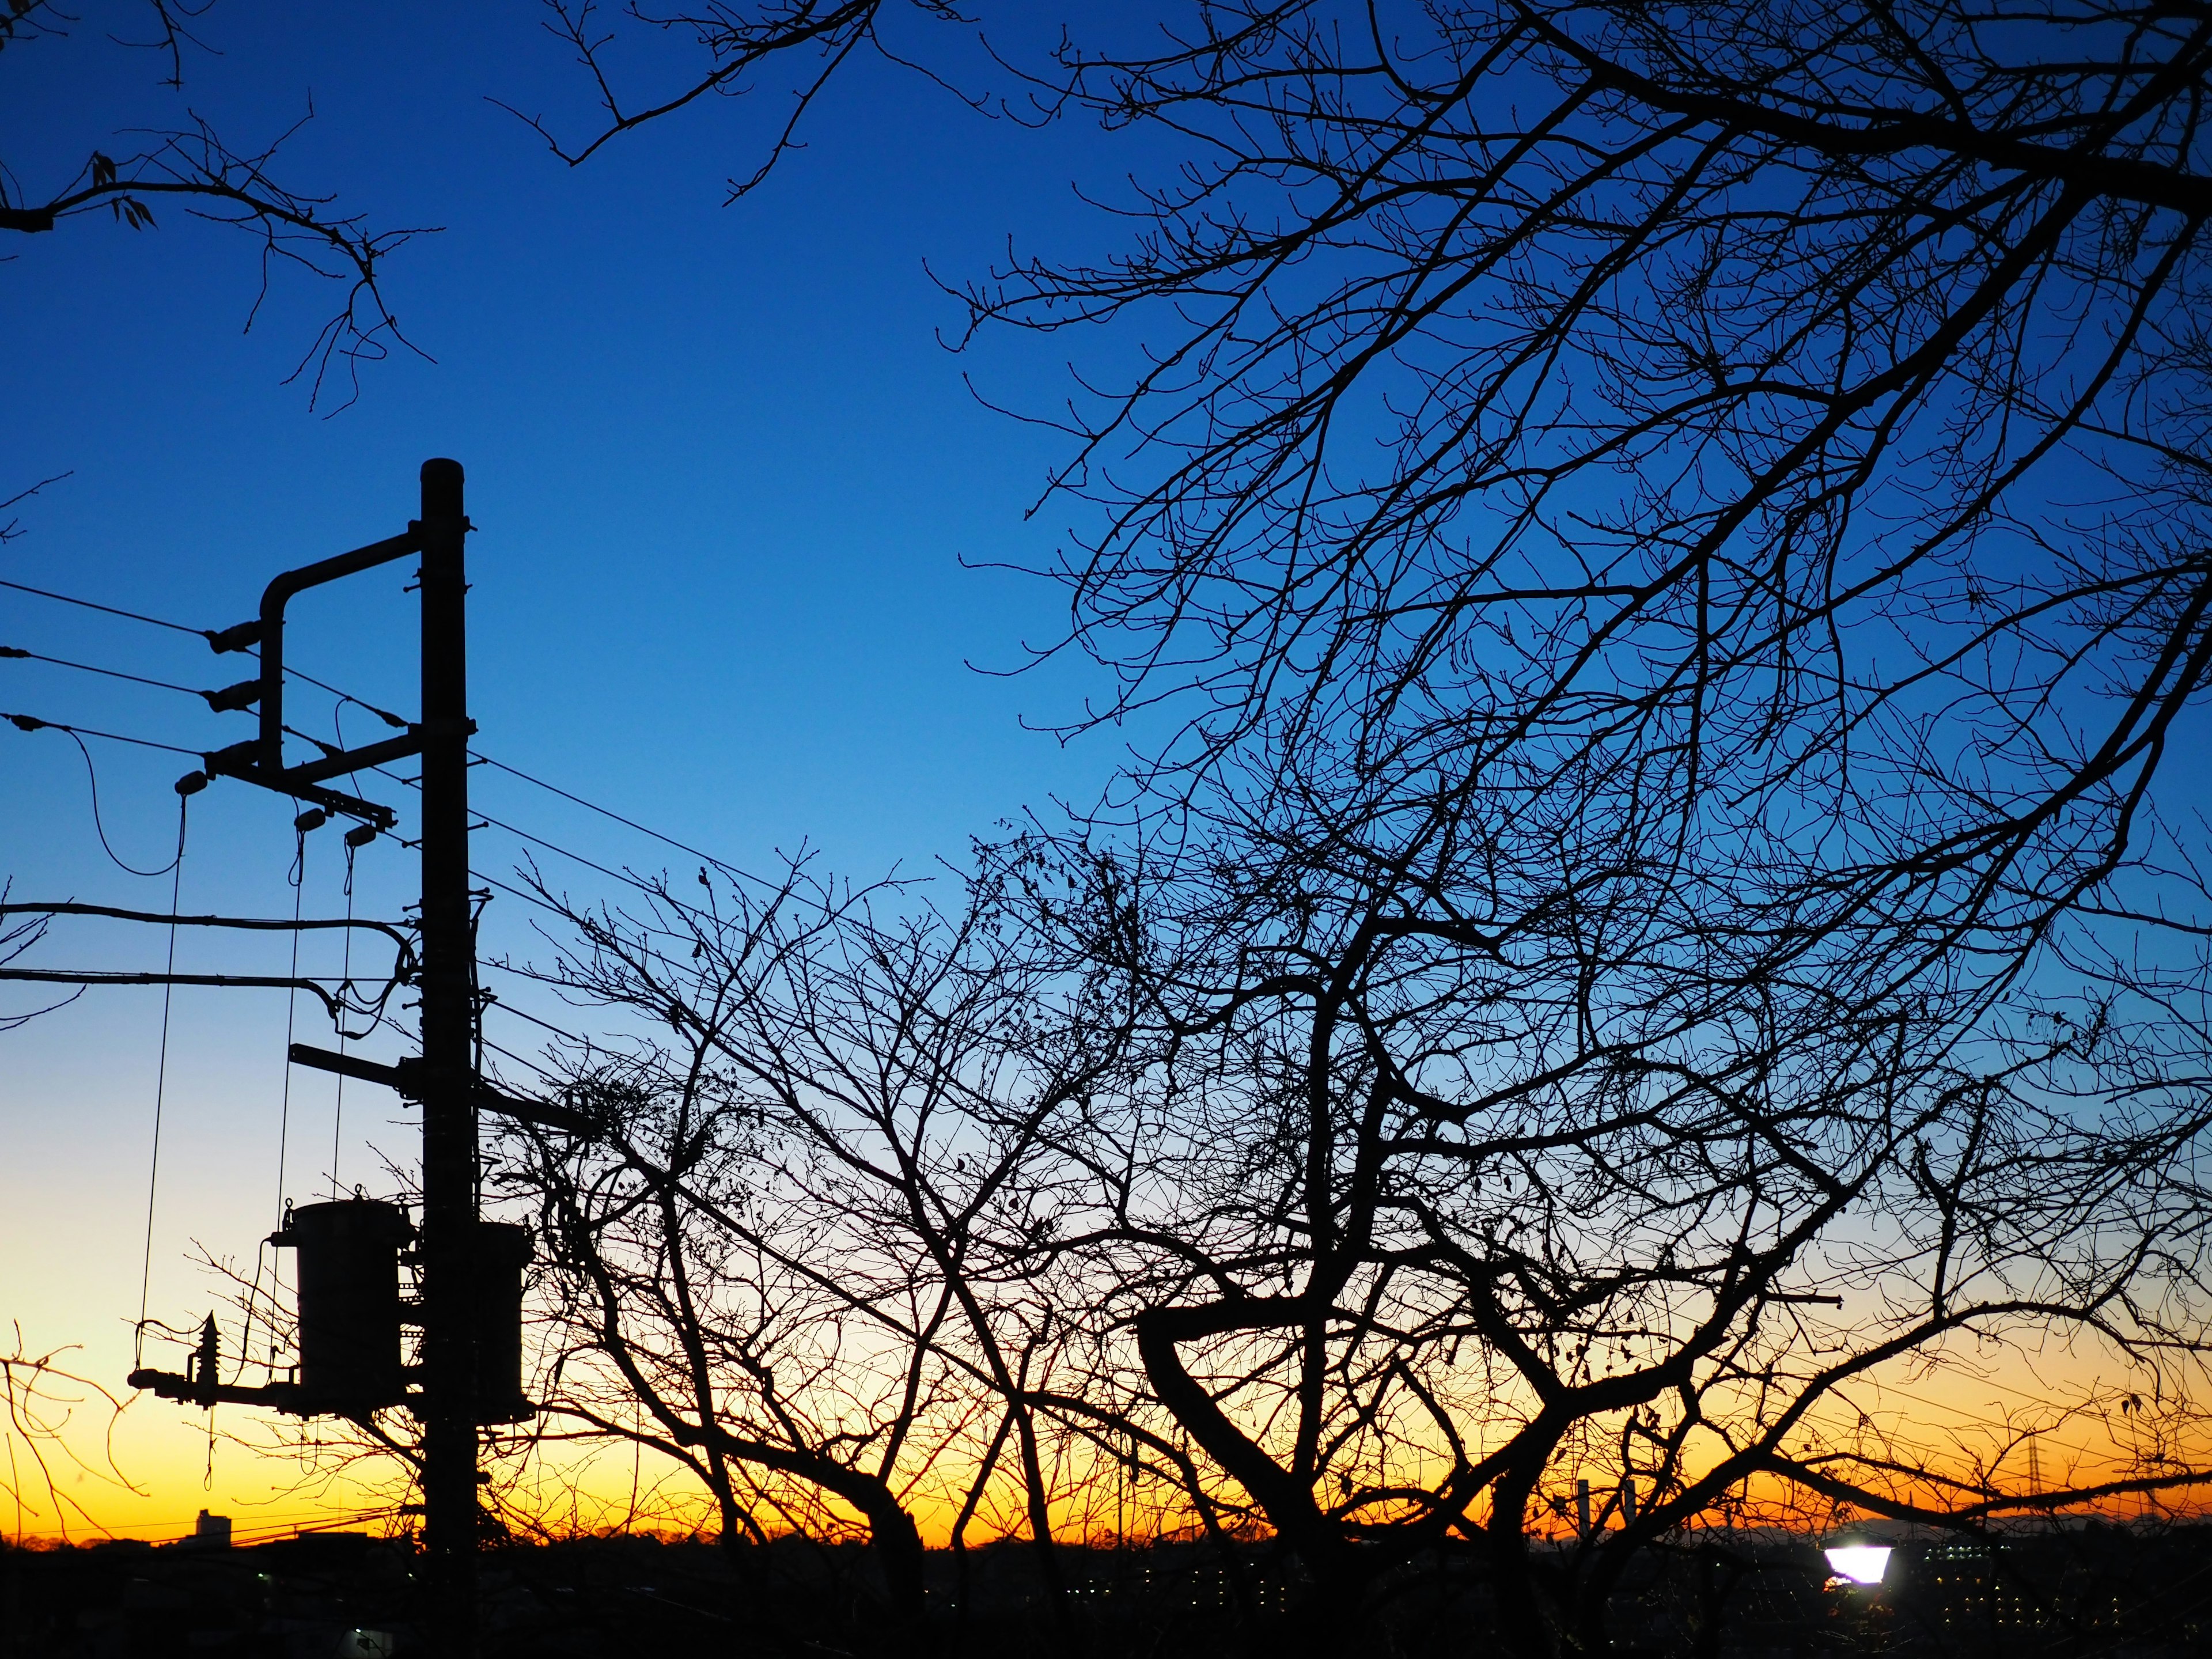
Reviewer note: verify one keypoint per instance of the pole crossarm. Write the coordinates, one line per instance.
(244, 761)
(406, 1076)
(240, 761)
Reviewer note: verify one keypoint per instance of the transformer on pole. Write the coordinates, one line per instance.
(470, 1272)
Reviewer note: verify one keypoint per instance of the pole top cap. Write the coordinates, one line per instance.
(441, 488)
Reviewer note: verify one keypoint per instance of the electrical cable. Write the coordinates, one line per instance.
(395, 721)
(338, 1119)
(88, 605)
(505, 1007)
(627, 880)
(91, 776)
(161, 1084)
(605, 812)
(520, 1060)
(32, 723)
(298, 876)
(93, 668)
(207, 634)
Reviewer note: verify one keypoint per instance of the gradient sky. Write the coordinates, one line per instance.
(724, 476)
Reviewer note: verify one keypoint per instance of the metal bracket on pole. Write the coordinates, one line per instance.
(261, 761)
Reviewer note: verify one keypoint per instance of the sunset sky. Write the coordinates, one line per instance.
(742, 526)
(724, 477)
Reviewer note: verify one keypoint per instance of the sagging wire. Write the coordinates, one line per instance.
(77, 734)
(187, 786)
(92, 778)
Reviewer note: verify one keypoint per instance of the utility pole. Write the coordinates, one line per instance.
(469, 1270)
(450, 1517)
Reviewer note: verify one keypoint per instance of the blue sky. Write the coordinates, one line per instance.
(724, 478)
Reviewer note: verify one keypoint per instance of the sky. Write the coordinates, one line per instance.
(728, 484)
(732, 494)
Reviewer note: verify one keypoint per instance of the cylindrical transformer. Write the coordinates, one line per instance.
(502, 1253)
(349, 1277)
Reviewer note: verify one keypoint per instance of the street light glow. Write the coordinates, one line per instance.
(1862, 1563)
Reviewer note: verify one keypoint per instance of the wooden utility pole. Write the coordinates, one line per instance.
(450, 1518)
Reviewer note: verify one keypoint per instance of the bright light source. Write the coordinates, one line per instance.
(1863, 1563)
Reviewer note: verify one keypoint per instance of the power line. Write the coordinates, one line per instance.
(111, 673)
(161, 1067)
(208, 634)
(520, 1060)
(32, 723)
(547, 1025)
(90, 604)
(605, 812)
(390, 719)
(627, 879)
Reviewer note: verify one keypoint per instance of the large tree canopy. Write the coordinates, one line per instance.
(1677, 538)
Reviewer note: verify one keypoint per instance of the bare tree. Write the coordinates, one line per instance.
(49, 1441)
(16, 937)
(805, 1228)
(193, 167)
(1801, 404)
(1676, 537)
(1439, 1194)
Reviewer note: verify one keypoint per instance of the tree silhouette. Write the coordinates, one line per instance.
(193, 167)
(1671, 543)
(803, 1231)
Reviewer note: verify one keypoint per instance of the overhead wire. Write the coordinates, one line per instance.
(606, 812)
(567, 1036)
(19, 654)
(207, 634)
(113, 610)
(160, 1080)
(396, 721)
(76, 735)
(626, 877)
(521, 1059)
(32, 723)
(338, 1118)
(297, 876)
